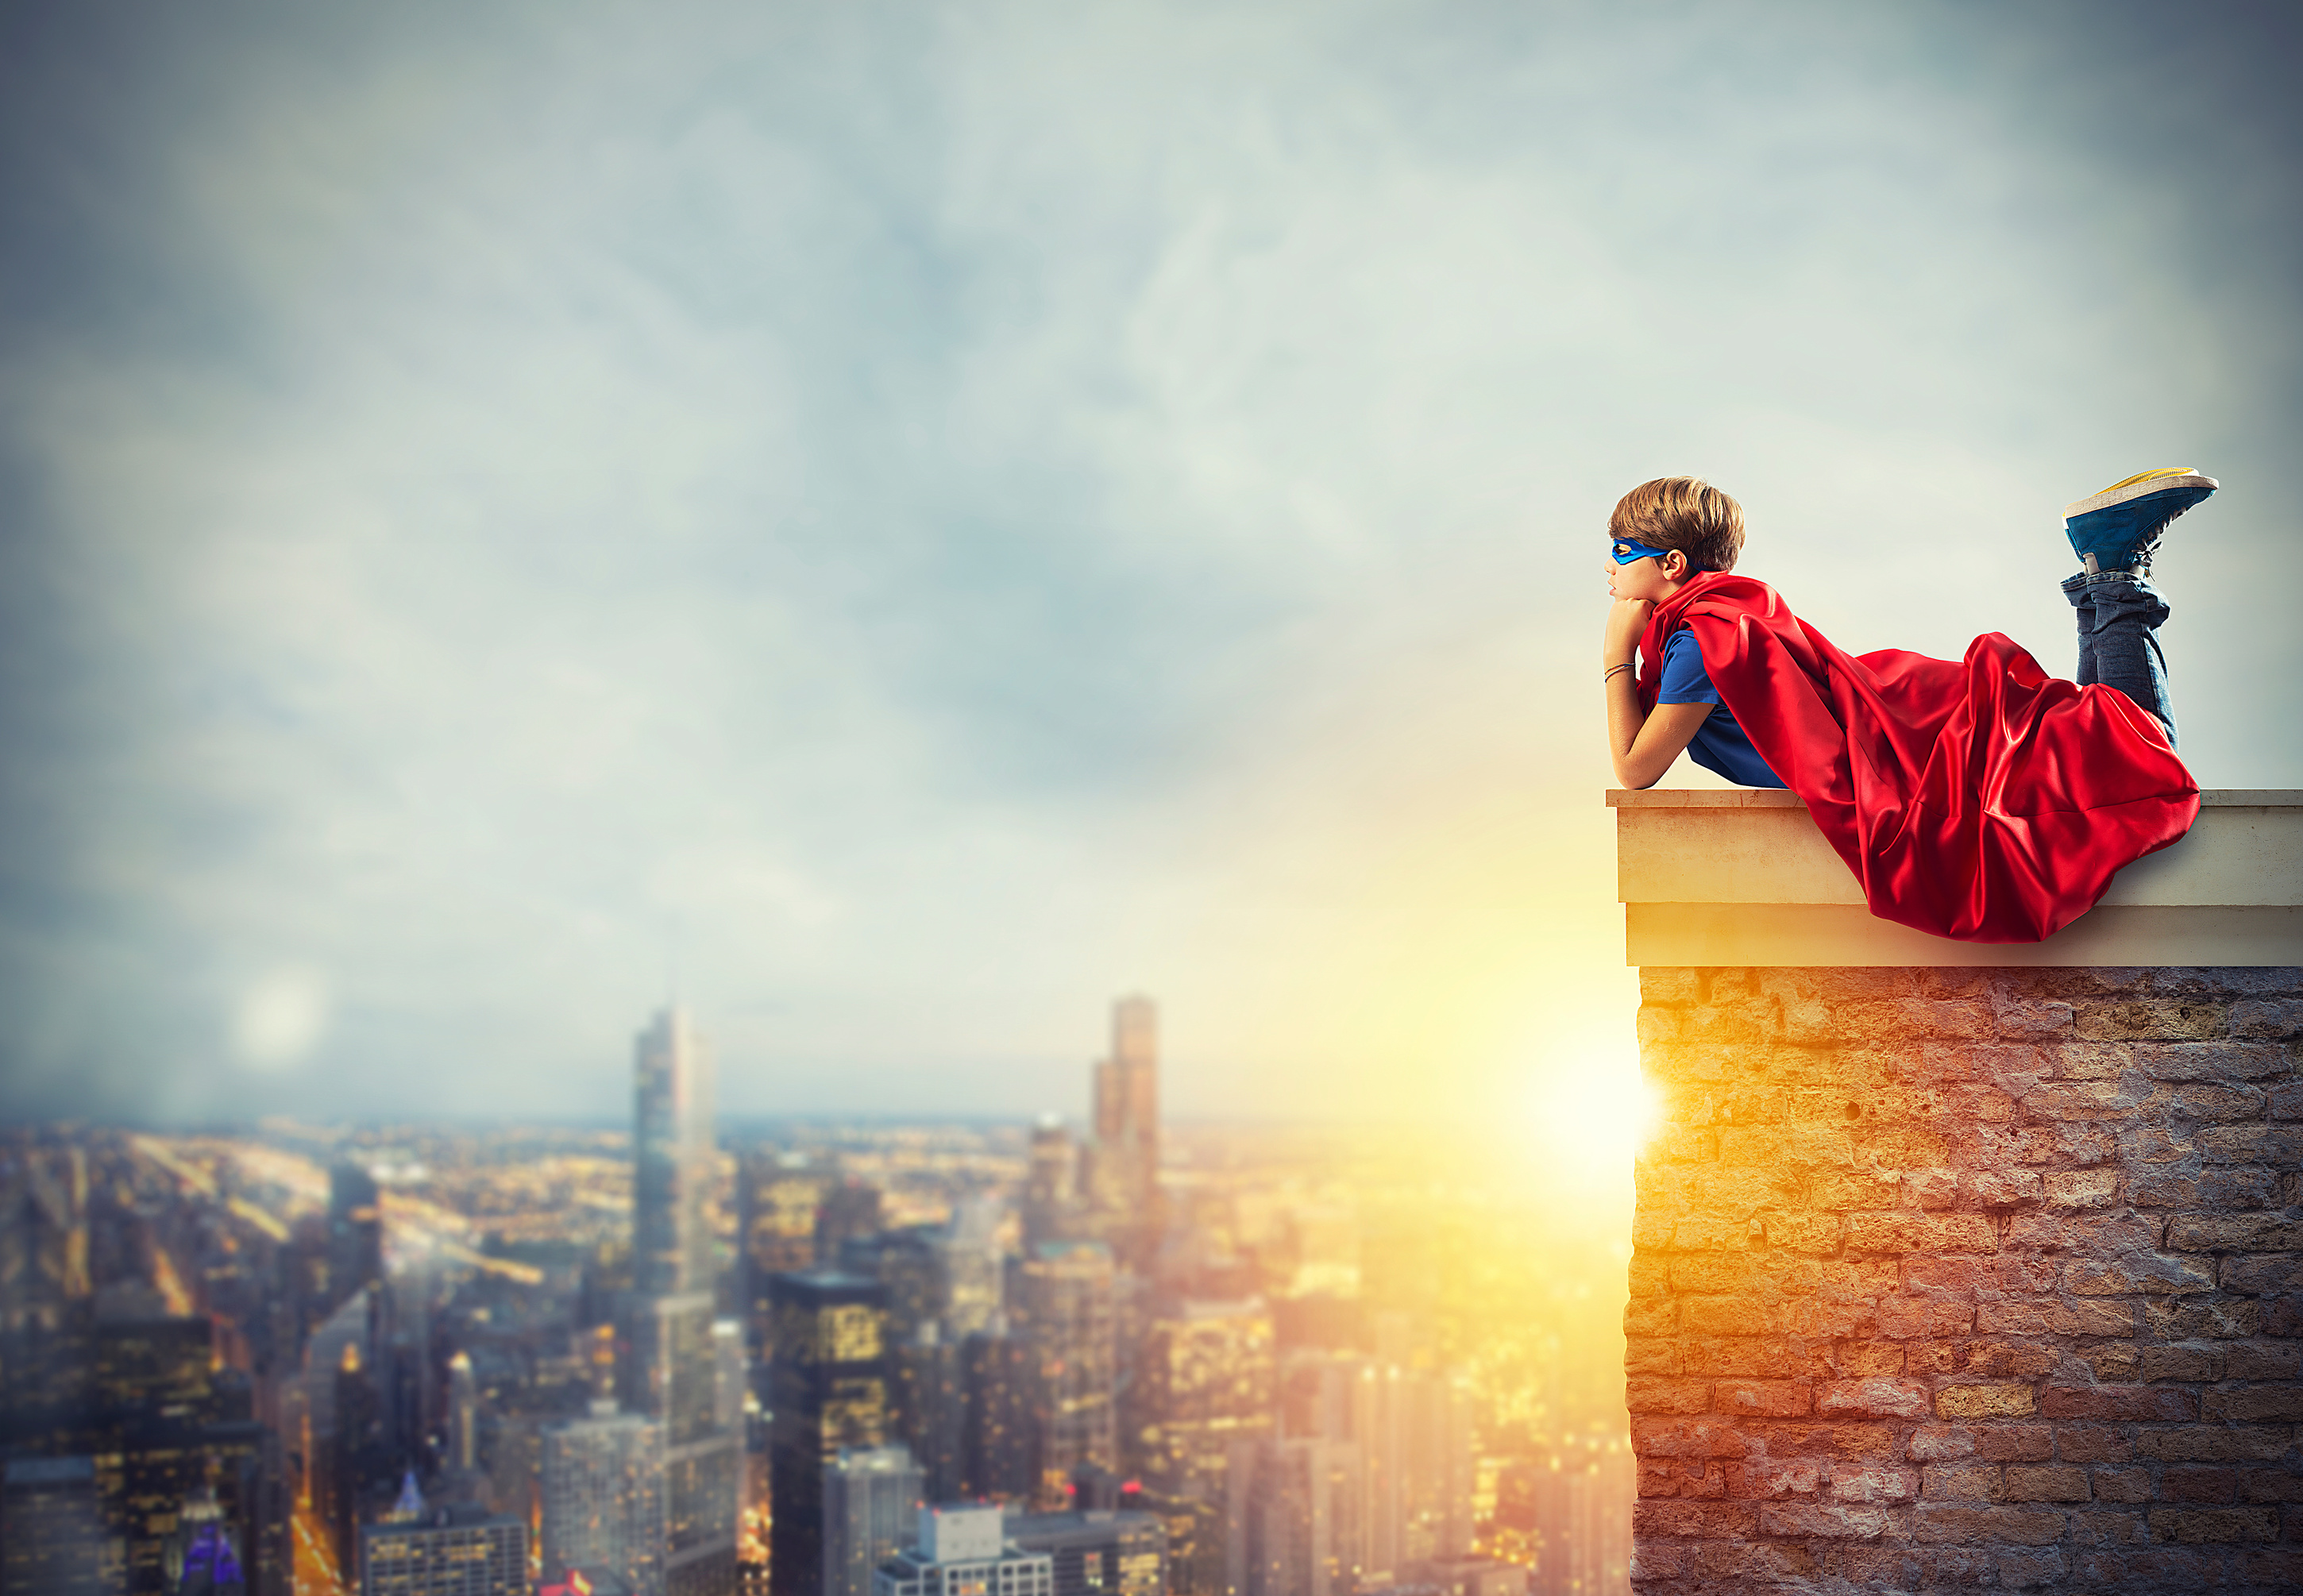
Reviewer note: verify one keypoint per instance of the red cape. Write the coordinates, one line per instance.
(1984, 800)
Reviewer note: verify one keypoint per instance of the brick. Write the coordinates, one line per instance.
(2271, 1020)
(2022, 1526)
(1670, 986)
(2208, 1525)
(2152, 1019)
(2079, 1100)
(1818, 1233)
(2122, 1484)
(1905, 1317)
(2284, 1102)
(2194, 1318)
(1705, 1520)
(2013, 1016)
(2253, 1443)
(1872, 1483)
(2000, 1189)
(1762, 1399)
(2010, 1360)
(1872, 1398)
(2030, 1570)
(2271, 1485)
(2046, 1483)
(2133, 1272)
(2081, 1188)
(1856, 1359)
(1668, 1395)
(2254, 1405)
(1859, 1443)
(2205, 1104)
(2217, 1061)
(2155, 1404)
(1930, 1188)
(1763, 1478)
(1724, 1316)
(2004, 1442)
(2089, 1316)
(2232, 1187)
(1985, 1402)
(1654, 1316)
(2262, 1360)
(1938, 1443)
(2115, 1363)
(1960, 1483)
(1695, 1480)
(1822, 1521)
(2277, 1568)
(1650, 1354)
(1685, 1438)
(1736, 1566)
(1764, 1356)
(2192, 1361)
(2279, 1145)
(2262, 1274)
(2208, 1485)
(2092, 1443)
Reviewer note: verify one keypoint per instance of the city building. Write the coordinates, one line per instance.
(1124, 1163)
(871, 1509)
(602, 1487)
(827, 1390)
(1065, 1307)
(672, 1158)
(355, 1231)
(1205, 1377)
(999, 1449)
(1098, 1552)
(1303, 1532)
(453, 1550)
(1050, 1195)
(53, 1537)
(961, 1550)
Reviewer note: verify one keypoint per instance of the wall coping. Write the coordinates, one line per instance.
(1711, 878)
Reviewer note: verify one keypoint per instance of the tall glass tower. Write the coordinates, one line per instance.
(671, 1158)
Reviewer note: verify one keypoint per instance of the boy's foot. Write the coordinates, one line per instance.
(2116, 531)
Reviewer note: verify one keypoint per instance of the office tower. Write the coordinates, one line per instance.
(999, 1452)
(44, 1268)
(927, 1407)
(1098, 1553)
(1125, 1164)
(355, 1231)
(1050, 1193)
(1205, 1377)
(778, 1195)
(601, 1485)
(1303, 1528)
(972, 1276)
(961, 1550)
(850, 1212)
(828, 1390)
(671, 1367)
(455, 1551)
(463, 1416)
(1441, 1464)
(203, 1556)
(871, 1506)
(672, 1158)
(1064, 1310)
(53, 1537)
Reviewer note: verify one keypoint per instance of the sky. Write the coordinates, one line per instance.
(899, 523)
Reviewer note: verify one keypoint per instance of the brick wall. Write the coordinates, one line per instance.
(1961, 1278)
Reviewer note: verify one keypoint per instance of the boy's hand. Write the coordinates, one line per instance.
(1627, 622)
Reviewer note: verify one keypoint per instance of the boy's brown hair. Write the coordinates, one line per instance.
(1686, 514)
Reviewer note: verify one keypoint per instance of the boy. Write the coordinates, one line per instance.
(1982, 800)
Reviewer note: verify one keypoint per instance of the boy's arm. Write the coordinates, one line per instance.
(1643, 745)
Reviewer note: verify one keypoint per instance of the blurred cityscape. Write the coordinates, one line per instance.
(1102, 1358)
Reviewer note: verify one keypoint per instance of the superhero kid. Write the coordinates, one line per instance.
(1981, 799)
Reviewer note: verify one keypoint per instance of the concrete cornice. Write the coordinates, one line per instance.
(1743, 877)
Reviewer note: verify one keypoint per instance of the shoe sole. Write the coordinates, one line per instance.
(2140, 487)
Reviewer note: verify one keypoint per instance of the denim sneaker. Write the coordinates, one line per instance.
(2116, 531)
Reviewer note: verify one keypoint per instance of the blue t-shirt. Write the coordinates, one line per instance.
(1719, 742)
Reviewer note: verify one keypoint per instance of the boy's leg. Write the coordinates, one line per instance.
(2119, 644)
(2083, 599)
(2115, 533)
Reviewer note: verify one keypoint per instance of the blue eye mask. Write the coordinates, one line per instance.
(1625, 551)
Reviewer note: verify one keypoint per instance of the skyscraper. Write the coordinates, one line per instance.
(1066, 1306)
(672, 1154)
(672, 1370)
(962, 1551)
(447, 1551)
(872, 1501)
(602, 1481)
(355, 1231)
(828, 1390)
(1124, 1163)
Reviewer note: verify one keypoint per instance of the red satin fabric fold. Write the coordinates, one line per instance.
(1983, 799)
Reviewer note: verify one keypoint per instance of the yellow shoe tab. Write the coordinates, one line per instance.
(2147, 476)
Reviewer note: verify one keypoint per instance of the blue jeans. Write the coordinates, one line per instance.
(2118, 646)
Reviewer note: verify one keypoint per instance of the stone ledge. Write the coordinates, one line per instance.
(1743, 878)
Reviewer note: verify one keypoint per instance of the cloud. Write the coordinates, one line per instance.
(911, 523)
